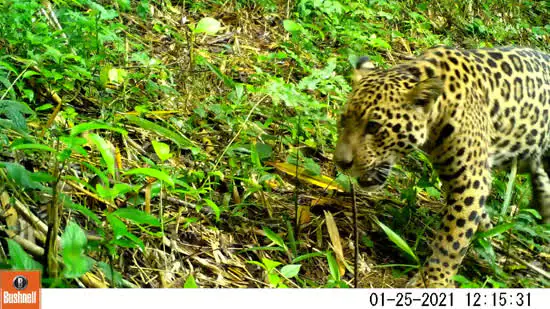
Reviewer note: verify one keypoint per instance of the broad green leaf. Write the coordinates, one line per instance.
(104, 13)
(396, 239)
(274, 279)
(29, 73)
(497, 230)
(19, 259)
(160, 175)
(14, 112)
(106, 151)
(270, 264)
(119, 227)
(292, 26)
(180, 140)
(137, 216)
(380, 43)
(190, 283)
(533, 212)
(73, 242)
(312, 167)
(18, 174)
(433, 192)
(33, 147)
(264, 150)
(274, 237)
(207, 25)
(162, 150)
(290, 271)
(88, 126)
(83, 210)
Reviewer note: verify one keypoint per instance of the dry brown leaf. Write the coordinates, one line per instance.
(336, 243)
(324, 201)
(304, 215)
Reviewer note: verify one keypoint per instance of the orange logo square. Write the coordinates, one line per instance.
(19, 289)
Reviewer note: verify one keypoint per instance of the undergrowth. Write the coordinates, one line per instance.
(161, 141)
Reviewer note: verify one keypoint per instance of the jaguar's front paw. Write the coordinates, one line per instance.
(415, 282)
(429, 280)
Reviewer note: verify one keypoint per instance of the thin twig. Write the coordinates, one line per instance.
(238, 132)
(355, 239)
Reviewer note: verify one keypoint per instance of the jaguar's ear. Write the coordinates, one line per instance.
(362, 67)
(425, 93)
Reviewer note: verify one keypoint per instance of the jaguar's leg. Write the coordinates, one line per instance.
(540, 181)
(468, 183)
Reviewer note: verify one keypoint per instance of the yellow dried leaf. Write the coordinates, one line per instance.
(336, 242)
(10, 214)
(322, 181)
(304, 215)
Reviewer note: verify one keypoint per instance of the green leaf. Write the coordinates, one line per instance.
(29, 73)
(214, 208)
(119, 227)
(396, 239)
(312, 167)
(88, 126)
(111, 274)
(274, 237)
(124, 4)
(226, 80)
(15, 111)
(106, 151)
(190, 283)
(433, 192)
(33, 147)
(290, 271)
(207, 25)
(44, 107)
(104, 14)
(380, 43)
(83, 210)
(136, 216)
(73, 242)
(499, 229)
(307, 256)
(180, 140)
(333, 266)
(160, 175)
(292, 26)
(270, 264)
(19, 259)
(21, 176)
(264, 150)
(162, 150)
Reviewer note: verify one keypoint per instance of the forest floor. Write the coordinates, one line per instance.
(218, 122)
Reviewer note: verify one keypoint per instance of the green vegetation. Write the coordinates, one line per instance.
(160, 140)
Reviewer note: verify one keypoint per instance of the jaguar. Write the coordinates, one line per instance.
(470, 111)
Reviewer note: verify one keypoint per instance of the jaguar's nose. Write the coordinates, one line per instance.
(343, 156)
(343, 164)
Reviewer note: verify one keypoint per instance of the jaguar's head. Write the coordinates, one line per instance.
(385, 118)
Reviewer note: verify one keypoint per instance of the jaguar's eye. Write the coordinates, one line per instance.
(372, 127)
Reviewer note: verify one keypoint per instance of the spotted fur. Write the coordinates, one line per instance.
(471, 111)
